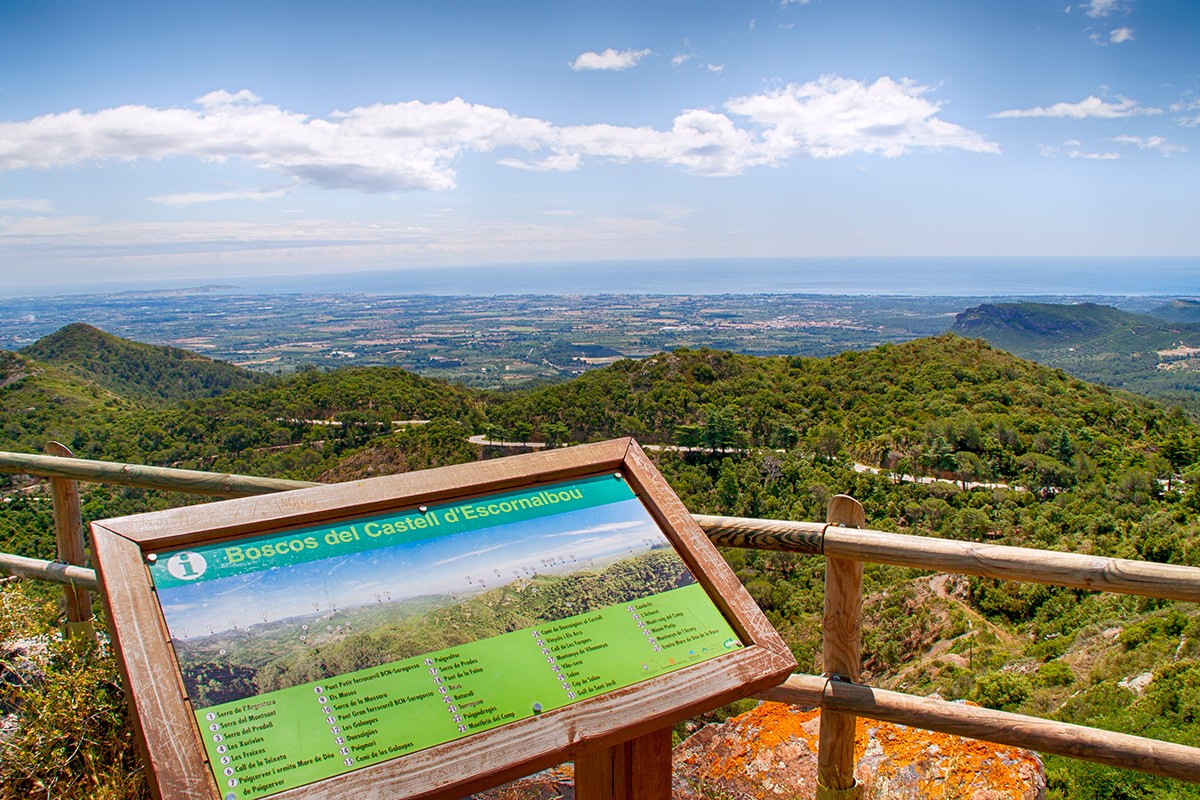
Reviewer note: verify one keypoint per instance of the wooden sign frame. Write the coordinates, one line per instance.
(166, 724)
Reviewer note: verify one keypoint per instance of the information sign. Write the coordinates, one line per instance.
(314, 652)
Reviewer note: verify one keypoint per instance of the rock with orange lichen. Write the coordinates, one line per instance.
(771, 752)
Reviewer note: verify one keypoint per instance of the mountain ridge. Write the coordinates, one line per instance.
(146, 372)
(1101, 344)
(1179, 310)
(1054, 325)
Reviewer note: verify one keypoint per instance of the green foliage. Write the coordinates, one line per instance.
(1055, 673)
(1093, 342)
(138, 371)
(39, 402)
(1168, 625)
(73, 738)
(1002, 690)
(1066, 778)
(1168, 708)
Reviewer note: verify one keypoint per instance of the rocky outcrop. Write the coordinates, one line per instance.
(771, 752)
(22, 664)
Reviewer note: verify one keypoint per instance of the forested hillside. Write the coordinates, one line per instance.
(136, 370)
(1182, 310)
(945, 406)
(1011, 325)
(39, 402)
(1073, 466)
(1148, 354)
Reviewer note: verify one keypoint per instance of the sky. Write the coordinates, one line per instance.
(219, 140)
(460, 564)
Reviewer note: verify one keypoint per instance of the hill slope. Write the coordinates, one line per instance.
(39, 402)
(136, 370)
(1181, 310)
(1087, 325)
(1143, 354)
(925, 403)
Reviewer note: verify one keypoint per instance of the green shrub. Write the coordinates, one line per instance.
(1163, 626)
(1055, 673)
(1001, 690)
(73, 738)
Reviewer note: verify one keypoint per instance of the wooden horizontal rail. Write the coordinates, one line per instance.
(176, 480)
(1122, 576)
(1165, 581)
(763, 534)
(54, 571)
(1017, 730)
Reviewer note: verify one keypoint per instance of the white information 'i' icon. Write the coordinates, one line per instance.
(186, 566)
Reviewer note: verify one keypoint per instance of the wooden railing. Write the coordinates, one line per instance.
(845, 544)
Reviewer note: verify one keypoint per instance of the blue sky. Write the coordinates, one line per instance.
(225, 139)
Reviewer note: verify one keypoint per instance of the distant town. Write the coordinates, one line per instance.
(492, 341)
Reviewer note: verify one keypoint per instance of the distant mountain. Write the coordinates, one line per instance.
(1047, 326)
(1140, 353)
(138, 371)
(1187, 311)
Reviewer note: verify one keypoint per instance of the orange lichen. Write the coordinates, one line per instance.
(770, 752)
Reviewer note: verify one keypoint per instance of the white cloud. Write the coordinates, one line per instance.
(1122, 34)
(192, 198)
(412, 145)
(1094, 156)
(481, 551)
(703, 142)
(673, 212)
(1090, 107)
(1187, 108)
(680, 59)
(32, 205)
(834, 116)
(610, 59)
(1101, 8)
(562, 162)
(1156, 143)
(379, 148)
(715, 67)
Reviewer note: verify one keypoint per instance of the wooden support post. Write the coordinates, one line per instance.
(68, 532)
(639, 769)
(842, 659)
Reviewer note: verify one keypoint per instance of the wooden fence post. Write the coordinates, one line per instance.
(639, 769)
(842, 656)
(68, 532)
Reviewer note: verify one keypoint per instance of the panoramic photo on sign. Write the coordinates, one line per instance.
(321, 650)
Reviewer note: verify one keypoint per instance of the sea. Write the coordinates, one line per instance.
(910, 276)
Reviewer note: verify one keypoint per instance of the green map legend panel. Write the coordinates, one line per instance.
(323, 650)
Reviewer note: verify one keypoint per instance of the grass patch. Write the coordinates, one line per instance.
(66, 726)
